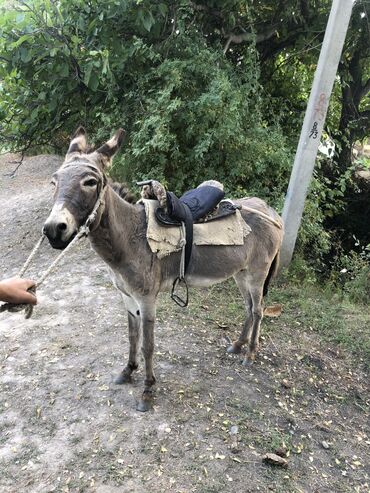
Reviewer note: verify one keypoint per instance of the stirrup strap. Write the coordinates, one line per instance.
(181, 277)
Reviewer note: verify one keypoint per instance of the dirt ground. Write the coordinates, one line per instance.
(66, 427)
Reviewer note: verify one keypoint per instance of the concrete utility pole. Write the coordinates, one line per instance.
(313, 123)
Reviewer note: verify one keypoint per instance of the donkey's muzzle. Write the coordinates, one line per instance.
(55, 233)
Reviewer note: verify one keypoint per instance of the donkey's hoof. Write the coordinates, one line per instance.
(248, 360)
(234, 349)
(123, 378)
(144, 406)
(145, 403)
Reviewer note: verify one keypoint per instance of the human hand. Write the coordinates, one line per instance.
(14, 290)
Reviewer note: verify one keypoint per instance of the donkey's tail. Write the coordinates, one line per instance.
(271, 273)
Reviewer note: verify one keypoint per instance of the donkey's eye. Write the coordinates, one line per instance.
(90, 183)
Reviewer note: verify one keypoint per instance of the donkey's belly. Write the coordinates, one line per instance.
(213, 264)
(193, 281)
(204, 282)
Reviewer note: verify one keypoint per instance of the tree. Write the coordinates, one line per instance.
(191, 113)
(212, 89)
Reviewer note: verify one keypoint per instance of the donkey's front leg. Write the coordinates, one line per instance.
(133, 319)
(147, 310)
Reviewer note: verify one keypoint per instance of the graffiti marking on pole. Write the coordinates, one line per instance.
(320, 108)
(314, 131)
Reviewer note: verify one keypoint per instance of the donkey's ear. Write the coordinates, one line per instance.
(108, 150)
(78, 142)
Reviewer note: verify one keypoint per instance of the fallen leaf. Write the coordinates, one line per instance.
(273, 311)
(103, 388)
(275, 460)
(222, 325)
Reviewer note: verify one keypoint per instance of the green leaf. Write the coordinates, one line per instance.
(34, 113)
(20, 18)
(93, 81)
(147, 20)
(26, 55)
(163, 9)
(105, 65)
(87, 74)
(64, 70)
(20, 40)
(52, 104)
(92, 25)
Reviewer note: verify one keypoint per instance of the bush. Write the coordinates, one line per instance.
(191, 113)
(351, 273)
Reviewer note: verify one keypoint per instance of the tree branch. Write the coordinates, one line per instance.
(204, 8)
(305, 10)
(365, 89)
(243, 37)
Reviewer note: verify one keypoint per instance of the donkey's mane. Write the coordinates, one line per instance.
(122, 190)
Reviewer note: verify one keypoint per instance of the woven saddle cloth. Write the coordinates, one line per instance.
(164, 240)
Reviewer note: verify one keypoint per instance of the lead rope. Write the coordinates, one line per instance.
(83, 231)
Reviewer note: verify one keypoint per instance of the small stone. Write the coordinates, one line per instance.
(325, 445)
(286, 384)
(281, 451)
(234, 430)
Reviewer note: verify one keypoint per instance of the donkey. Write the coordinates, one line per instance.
(118, 235)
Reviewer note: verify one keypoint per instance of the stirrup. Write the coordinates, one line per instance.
(175, 297)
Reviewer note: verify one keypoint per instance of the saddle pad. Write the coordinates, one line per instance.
(164, 240)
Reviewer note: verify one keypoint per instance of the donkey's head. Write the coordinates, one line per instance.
(78, 184)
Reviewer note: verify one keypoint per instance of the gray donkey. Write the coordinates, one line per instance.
(118, 235)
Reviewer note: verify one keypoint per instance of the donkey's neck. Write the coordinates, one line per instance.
(114, 239)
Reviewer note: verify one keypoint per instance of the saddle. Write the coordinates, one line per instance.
(199, 205)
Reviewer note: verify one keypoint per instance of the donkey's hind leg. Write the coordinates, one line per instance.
(251, 288)
(256, 293)
(241, 279)
(133, 318)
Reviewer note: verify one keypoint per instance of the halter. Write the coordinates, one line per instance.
(85, 228)
(99, 202)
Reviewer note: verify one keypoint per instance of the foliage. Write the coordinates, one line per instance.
(334, 317)
(205, 124)
(205, 90)
(190, 113)
(351, 273)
